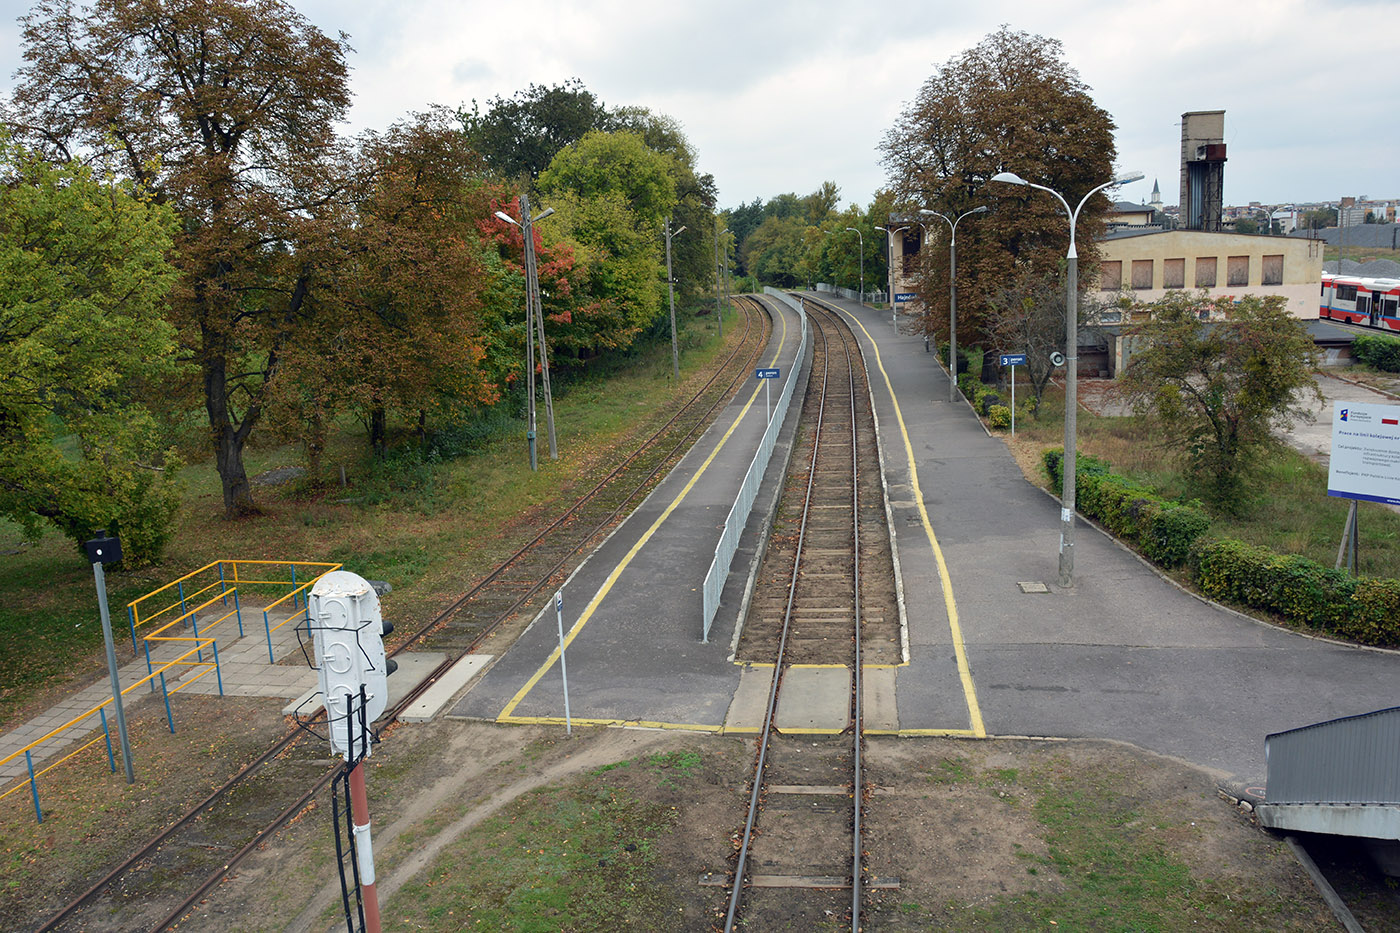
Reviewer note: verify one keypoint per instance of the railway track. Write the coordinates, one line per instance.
(160, 883)
(815, 608)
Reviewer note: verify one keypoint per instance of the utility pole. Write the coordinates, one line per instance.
(671, 293)
(719, 308)
(533, 313)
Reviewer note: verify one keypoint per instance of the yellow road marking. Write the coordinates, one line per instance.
(587, 614)
(974, 710)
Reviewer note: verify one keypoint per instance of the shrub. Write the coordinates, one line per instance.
(967, 384)
(1375, 612)
(999, 417)
(1378, 352)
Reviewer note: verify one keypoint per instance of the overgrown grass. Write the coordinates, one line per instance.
(1290, 511)
(426, 522)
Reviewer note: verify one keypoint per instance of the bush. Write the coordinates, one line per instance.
(1375, 612)
(1299, 590)
(1378, 352)
(967, 384)
(1162, 530)
(999, 417)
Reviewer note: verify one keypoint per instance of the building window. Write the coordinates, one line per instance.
(1205, 272)
(1173, 273)
(1142, 273)
(1273, 270)
(1237, 272)
(1111, 275)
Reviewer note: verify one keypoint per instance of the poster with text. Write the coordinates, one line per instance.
(1365, 452)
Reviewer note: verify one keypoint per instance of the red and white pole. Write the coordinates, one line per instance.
(364, 848)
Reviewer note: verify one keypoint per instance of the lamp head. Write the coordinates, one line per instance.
(1010, 178)
(544, 213)
(506, 217)
(979, 210)
(1126, 177)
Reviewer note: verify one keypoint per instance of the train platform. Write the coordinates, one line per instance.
(997, 647)
(632, 612)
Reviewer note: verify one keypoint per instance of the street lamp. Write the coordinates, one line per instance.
(1071, 361)
(534, 319)
(953, 295)
(889, 265)
(719, 310)
(671, 292)
(861, 240)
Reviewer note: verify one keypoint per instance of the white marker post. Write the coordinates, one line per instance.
(563, 668)
(767, 375)
(1013, 360)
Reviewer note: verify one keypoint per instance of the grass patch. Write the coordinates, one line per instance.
(581, 857)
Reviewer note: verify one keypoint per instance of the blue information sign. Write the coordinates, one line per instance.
(768, 373)
(902, 297)
(1013, 359)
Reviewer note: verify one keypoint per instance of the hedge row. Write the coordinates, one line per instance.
(1379, 352)
(1163, 530)
(1364, 609)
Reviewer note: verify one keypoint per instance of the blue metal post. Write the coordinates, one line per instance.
(294, 585)
(149, 668)
(33, 788)
(218, 672)
(183, 608)
(267, 627)
(223, 584)
(238, 611)
(168, 718)
(111, 759)
(198, 649)
(131, 620)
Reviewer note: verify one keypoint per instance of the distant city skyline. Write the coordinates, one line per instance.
(785, 96)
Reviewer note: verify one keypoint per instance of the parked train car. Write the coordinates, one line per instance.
(1360, 300)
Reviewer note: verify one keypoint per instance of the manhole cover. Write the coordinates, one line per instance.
(1033, 587)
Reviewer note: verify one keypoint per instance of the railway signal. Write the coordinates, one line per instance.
(352, 672)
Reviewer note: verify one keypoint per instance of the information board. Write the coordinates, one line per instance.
(1365, 452)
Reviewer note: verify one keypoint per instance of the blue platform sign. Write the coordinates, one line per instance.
(767, 373)
(901, 297)
(1013, 359)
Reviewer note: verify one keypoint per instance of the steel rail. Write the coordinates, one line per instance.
(290, 737)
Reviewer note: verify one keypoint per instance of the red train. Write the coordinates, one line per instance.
(1360, 300)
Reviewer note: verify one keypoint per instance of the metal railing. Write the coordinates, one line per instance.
(1355, 760)
(851, 294)
(743, 504)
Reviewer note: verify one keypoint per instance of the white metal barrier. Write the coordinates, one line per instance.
(743, 505)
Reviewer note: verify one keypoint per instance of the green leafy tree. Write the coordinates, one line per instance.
(1216, 389)
(223, 109)
(83, 281)
(1320, 219)
(1010, 103)
(519, 136)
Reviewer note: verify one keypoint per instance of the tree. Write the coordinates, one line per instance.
(518, 137)
(1217, 388)
(223, 109)
(1320, 219)
(1027, 315)
(83, 280)
(1010, 103)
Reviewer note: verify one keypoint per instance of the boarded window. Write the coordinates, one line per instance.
(1237, 272)
(1205, 272)
(1273, 270)
(1142, 273)
(1173, 273)
(1111, 275)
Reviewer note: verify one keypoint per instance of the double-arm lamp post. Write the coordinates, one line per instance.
(1071, 361)
(861, 241)
(889, 266)
(671, 293)
(953, 295)
(534, 321)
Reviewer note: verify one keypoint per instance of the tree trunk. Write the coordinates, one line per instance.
(378, 427)
(228, 440)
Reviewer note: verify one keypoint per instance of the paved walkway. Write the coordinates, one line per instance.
(243, 666)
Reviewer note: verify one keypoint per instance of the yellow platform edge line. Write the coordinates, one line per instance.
(596, 601)
(974, 709)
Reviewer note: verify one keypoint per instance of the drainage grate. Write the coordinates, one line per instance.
(1033, 587)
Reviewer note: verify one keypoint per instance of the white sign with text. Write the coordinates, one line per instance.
(1365, 452)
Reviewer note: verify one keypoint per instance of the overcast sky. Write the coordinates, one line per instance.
(783, 95)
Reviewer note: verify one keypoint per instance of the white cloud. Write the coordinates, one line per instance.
(782, 96)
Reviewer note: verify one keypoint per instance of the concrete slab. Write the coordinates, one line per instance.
(878, 703)
(750, 699)
(814, 699)
(446, 688)
(414, 667)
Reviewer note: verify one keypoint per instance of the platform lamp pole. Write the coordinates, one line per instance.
(889, 265)
(104, 550)
(953, 295)
(671, 293)
(1071, 361)
(532, 312)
